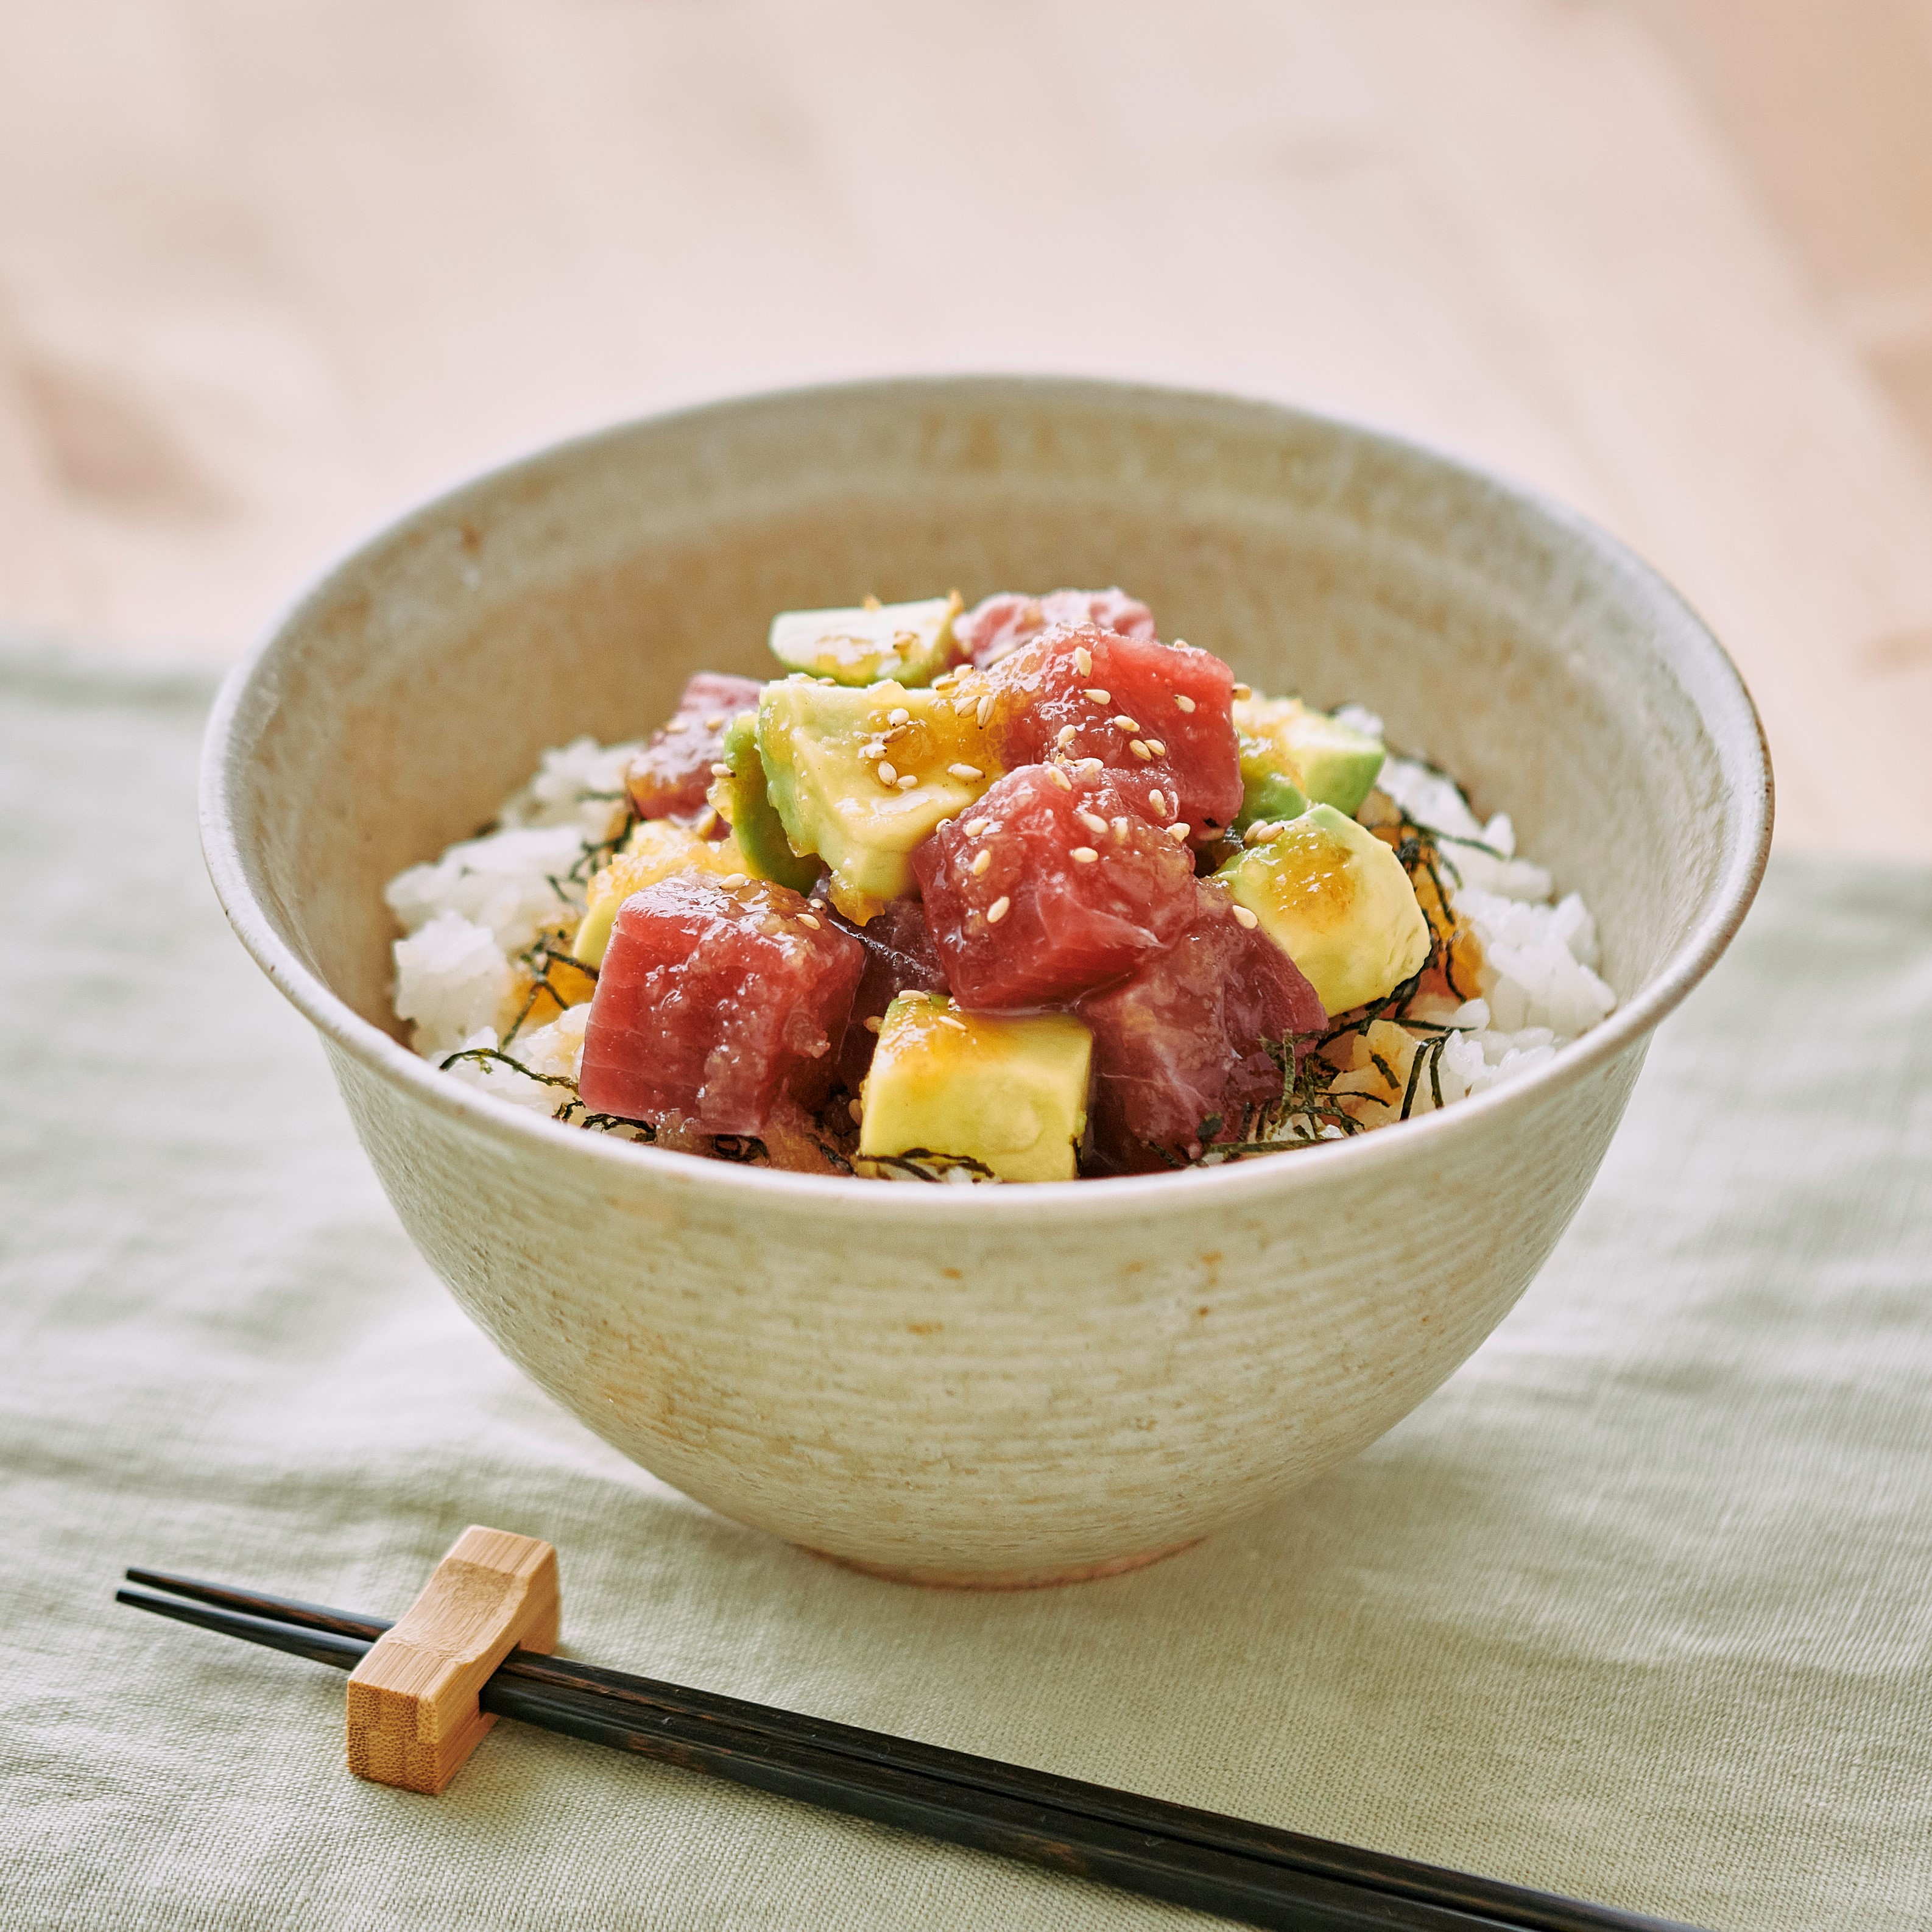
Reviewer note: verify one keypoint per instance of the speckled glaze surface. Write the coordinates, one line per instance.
(1017, 1384)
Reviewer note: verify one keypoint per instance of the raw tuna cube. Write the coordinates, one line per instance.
(1055, 882)
(1159, 716)
(1002, 622)
(900, 958)
(1180, 1041)
(670, 777)
(716, 997)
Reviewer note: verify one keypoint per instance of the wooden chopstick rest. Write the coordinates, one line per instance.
(413, 1713)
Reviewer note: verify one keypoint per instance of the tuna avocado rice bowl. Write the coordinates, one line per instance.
(1019, 893)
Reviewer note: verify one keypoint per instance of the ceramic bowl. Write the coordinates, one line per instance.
(1006, 1385)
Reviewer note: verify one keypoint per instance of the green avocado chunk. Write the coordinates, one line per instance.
(1337, 901)
(910, 642)
(861, 777)
(1331, 763)
(742, 801)
(1267, 793)
(1007, 1091)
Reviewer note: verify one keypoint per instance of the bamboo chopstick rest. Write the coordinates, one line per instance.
(413, 1712)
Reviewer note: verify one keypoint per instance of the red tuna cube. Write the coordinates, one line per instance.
(1180, 1042)
(670, 777)
(1055, 882)
(900, 958)
(714, 1000)
(1161, 716)
(1004, 622)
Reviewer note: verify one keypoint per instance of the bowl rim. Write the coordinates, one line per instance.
(1718, 689)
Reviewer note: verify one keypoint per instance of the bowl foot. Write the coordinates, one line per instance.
(1003, 1579)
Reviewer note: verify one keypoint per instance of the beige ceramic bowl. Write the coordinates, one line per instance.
(1016, 1384)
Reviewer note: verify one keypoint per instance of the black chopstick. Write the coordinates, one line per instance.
(1230, 1865)
(1252, 1891)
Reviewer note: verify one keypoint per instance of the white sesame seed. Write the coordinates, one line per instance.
(1068, 733)
(705, 823)
(678, 725)
(1158, 799)
(715, 722)
(1138, 747)
(1060, 777)
(1178, 831)
(998, 910)
(899, 715)
(1090, 765)
(908, 781)
(945, 678)
(1083, 661)
(875, 750)
(981, 862)
(1094, 822)
(1157, 748)
(1120, 828)
(719, 770)
(1098, 697)
(985, 710)
(806, 919)
(958, 1026)
(1085, 855)
(853, 1108)
(1124, 723)
(828, 680)
(873, 1023)
(974, 827)
(961, 706)
(1244, 691)
(733, 879)
(1186, 703)
(1247, 918)
(888, 772)
(965, 771)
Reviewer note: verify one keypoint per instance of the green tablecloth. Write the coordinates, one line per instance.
(1639, 1606)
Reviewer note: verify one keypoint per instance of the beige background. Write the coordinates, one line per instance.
(267, 273)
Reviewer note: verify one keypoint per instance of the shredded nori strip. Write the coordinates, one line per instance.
(542, 949)
(601, 1123)
(1415, 1079)
(920, 1162)
(480, 1053)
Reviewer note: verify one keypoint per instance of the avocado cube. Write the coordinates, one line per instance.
(1337, 902)
(911, 643)
(1267, 792)
(739, 797)
(1332, 763)
(1008, 1092)
(861, 777)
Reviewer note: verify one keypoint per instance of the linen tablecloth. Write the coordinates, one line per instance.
(1639, 1606)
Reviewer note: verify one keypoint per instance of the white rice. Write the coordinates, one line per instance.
(469, 914)
(1540, 988)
